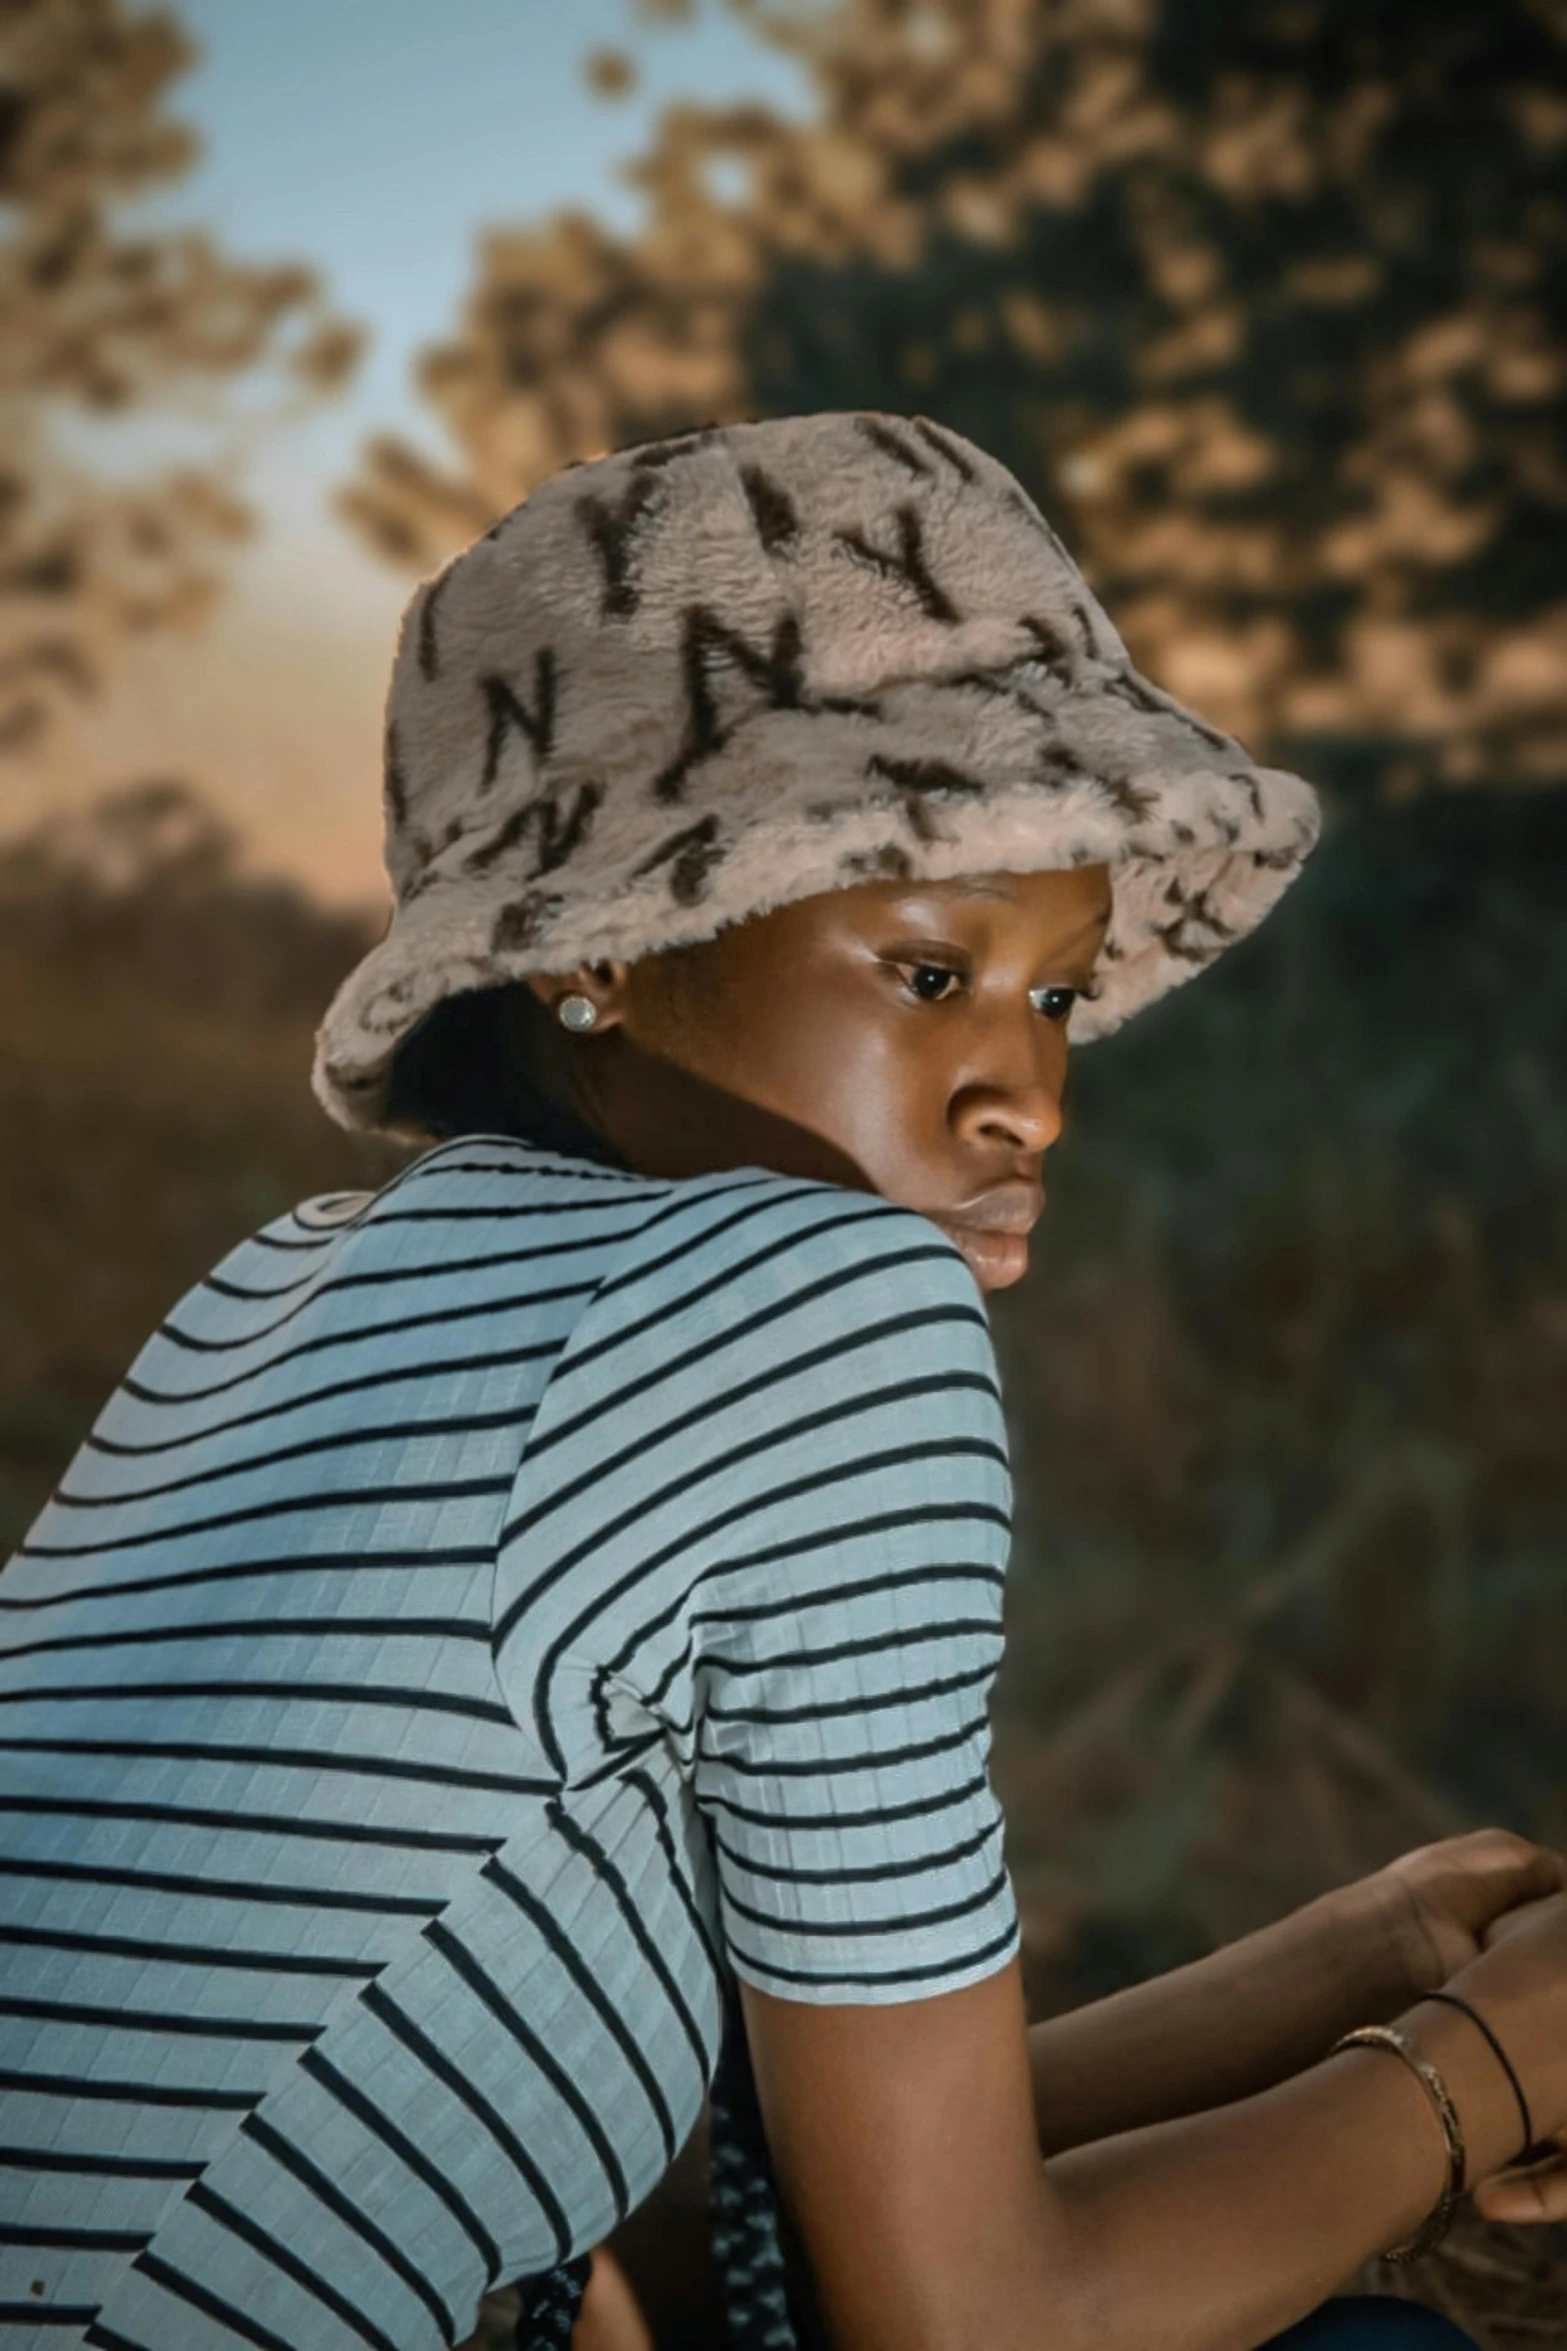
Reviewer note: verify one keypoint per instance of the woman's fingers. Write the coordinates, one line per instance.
(1451, 1892)
(1524, 2196)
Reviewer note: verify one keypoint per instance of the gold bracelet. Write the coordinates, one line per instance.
(1437, 2224)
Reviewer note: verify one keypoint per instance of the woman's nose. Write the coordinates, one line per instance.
(1023, 1115)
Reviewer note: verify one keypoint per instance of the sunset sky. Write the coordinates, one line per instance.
(371, 138)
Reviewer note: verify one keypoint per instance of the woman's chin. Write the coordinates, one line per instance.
(996, 1260)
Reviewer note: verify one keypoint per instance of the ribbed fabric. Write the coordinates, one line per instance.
(487, 1611)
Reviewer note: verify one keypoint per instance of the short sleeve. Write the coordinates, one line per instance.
(783, 1420)
(842, 1675)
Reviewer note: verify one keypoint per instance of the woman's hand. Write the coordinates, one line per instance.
(1446, 1897)
(1528, 2192)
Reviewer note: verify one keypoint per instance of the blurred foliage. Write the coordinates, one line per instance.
(108, 330)
(156, 1015)
(1266, 305)
(1289, 1383)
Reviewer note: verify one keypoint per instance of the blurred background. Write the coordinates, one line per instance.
(1267, 306)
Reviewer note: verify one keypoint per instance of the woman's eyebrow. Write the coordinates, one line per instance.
(1095, 922)
(972, 886)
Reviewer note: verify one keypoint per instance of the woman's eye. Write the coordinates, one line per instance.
(1055, 1003)
(929, 981)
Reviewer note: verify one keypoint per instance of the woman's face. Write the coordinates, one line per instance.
(906, 1038)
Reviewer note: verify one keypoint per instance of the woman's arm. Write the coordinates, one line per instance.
(904, 2140)
(1261, 2009)
(1224, 2026)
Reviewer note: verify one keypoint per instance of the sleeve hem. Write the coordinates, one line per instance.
(846, 1989)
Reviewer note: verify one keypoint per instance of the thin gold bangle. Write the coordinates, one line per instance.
(1440, 2220)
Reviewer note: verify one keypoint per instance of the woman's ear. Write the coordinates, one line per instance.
(603, 983)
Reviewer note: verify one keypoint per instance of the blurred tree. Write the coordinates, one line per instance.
(1266, 304)
(106, 332)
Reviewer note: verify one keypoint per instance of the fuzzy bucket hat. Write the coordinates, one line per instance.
(701, 677)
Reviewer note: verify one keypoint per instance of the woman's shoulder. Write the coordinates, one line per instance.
(746, 1267)
(467, 1179)
(479, 1172)
(699, 1250)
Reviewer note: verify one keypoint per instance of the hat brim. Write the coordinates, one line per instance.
(937, 779)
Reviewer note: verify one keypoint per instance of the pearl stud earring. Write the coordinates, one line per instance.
(577, 1012)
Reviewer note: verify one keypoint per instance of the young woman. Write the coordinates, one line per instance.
(502, 1624)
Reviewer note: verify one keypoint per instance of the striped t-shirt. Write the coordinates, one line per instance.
(486, 1610)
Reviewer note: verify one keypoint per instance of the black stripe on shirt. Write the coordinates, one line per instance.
(693, 1537)
(528, 1301)
(326, 2193)
(605, 1531)
(282, 1506)
(591, 1851)
(511, 1416)
(54, 2314)
(436, 2063)
(183, 1954)
(633, 1398)
(209, 1889)
(587, 1985)
(301, 1692)
(831, 1595)
(799, 1365)
(698, 1245)
(142, 2020)
(38, 2238)
(822, 1766)
(423, 1370)
(862, 1702)
(729, 1276)
(381, 2126)
(792, 1875)
(317, 1759)
(564, 1169)
(75, 2085)
(902, 1923)
(484, 1988)
(377, 1276)
(946, 1628)
(192, 1345)
(911, 1808)
(228, 2216)
(267, 1628)
(791, 1603)
(865, 1975)
(108, 2167)
(647, 1788)
(499, 1211)
(202, 2298)
(278, 1824)
(290, 1563)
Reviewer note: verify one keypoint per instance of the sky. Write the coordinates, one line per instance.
(373, 139)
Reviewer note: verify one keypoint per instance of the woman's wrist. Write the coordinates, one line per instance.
(1475, 2082)
(1381, 1909)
